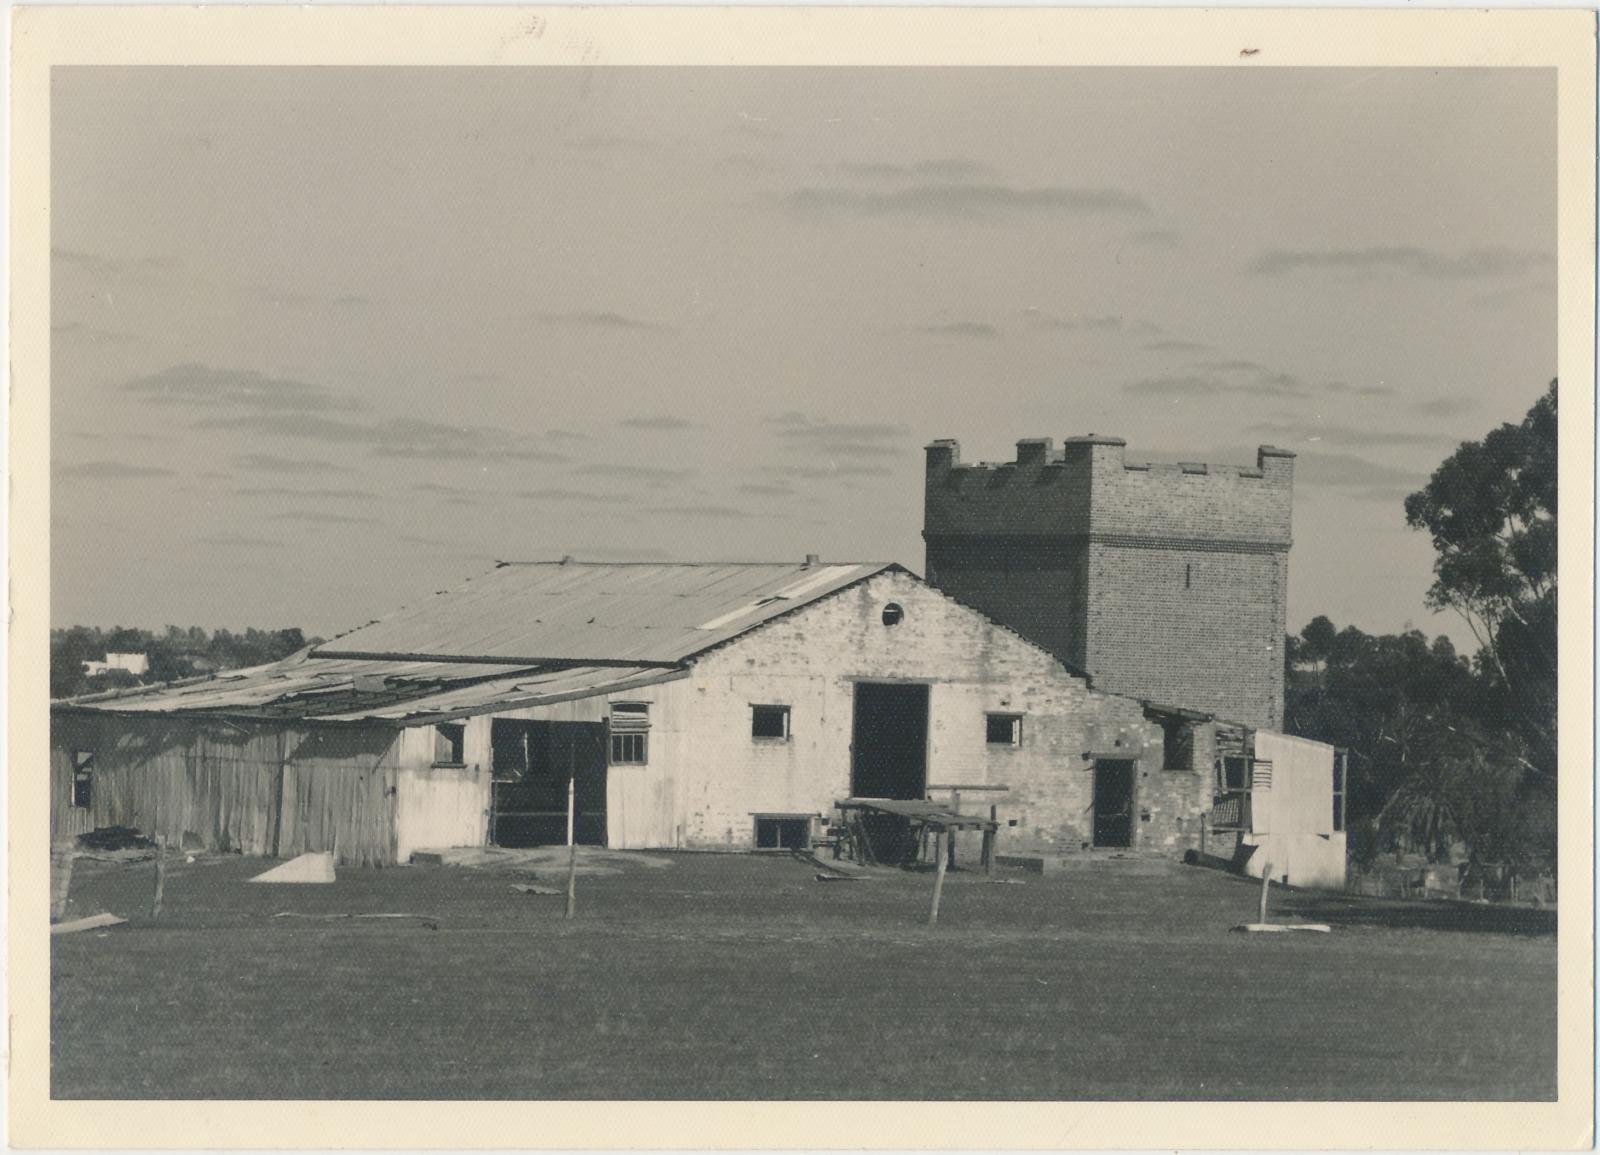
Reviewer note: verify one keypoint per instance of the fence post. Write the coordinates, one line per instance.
(1266, 881)
(938, 876)
(61, 858)
(161, 876)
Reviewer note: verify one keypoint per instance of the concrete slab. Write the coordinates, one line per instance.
(92, 922)
(313, 867)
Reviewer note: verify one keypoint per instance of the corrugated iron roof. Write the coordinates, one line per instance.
(352, 691)
(605, 612)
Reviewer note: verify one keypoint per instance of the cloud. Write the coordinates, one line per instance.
(322, 517)
(579, 496)
(91, 335)
(1445, 406)
(1154, 238)
(1195, 385)
(633, 472)
(1333, 434)
(96, 264)
(308, 494)
(800, 427)
(1347, 471)
(660, 423)
(1468, 264)
(950, 169)
(1174, 346)
(304, 300)
(111, 471)
(717, 512)
(829, 472)
(237, 540)
(408, 437)
(199, 385)
(566, 435)
(966, 201)
(587, 319)
(1038, 319)
(758, 489)
(1343, 387)
(269, 463)
(611, 143)
(980, 329)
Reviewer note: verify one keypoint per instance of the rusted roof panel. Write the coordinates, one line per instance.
(395, 692)
(573, 611)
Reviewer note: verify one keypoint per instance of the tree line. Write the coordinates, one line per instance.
(1453, 751)
(173, 654)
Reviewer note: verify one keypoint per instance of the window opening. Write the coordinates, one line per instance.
(781, 833)
(892, 613)
(770, 722)
(1177, 746)
(449, 744)
(1338, 789)
(82, 779)
(1003, 729)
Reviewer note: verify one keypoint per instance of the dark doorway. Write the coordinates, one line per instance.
(532, 762)
(1113, 803)
(889, 748)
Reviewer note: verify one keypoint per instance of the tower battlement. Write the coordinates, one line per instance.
(1150, 576)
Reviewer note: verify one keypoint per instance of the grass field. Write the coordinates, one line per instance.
(718, 977)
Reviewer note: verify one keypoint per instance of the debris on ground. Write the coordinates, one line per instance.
(1279, 927)
(529, 888)
(115, 838)
(429, 920)
(312, 867)
(822, 877)
(592, 860)
(836, 870)
(92, 922)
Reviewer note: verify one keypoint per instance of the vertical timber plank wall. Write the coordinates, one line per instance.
(255, 789)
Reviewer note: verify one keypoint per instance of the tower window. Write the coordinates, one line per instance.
(892, 613)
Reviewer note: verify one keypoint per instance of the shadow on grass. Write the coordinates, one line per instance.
(1414, 914)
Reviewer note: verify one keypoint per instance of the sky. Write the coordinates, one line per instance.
(327, 340)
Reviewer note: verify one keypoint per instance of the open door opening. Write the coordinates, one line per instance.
(1113, 803)
(532, 762)
(889, 758)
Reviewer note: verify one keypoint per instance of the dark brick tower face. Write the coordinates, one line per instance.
(1166, 582)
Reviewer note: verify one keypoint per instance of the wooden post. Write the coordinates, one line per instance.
(572, 850)
(988, 842)
(938, 877)
(1202, 832)
(61, 858)
(1266, 881)
(161, 876)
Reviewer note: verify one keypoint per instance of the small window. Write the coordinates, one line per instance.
(1188, 575)
(82, 779)
(892, 613)
(1235, 772)
(769, 722)
(629, 749)
(1004, 729)
(449, 744)
(780, 833)
(1177, 745)
(1338, 790)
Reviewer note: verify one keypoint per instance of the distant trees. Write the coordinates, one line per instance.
(173, 654)
(1449, 749)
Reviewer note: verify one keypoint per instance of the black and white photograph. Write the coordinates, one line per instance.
(807, 583)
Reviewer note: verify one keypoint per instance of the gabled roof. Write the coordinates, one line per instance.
(520, 635)
(533, 613)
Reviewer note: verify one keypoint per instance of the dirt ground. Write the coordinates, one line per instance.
(742, 977)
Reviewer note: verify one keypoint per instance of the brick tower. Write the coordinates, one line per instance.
(1165, 582)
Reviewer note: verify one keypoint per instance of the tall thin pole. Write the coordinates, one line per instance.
(938, 875)
(161, 876)
(1266, 881)
(572, 849)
